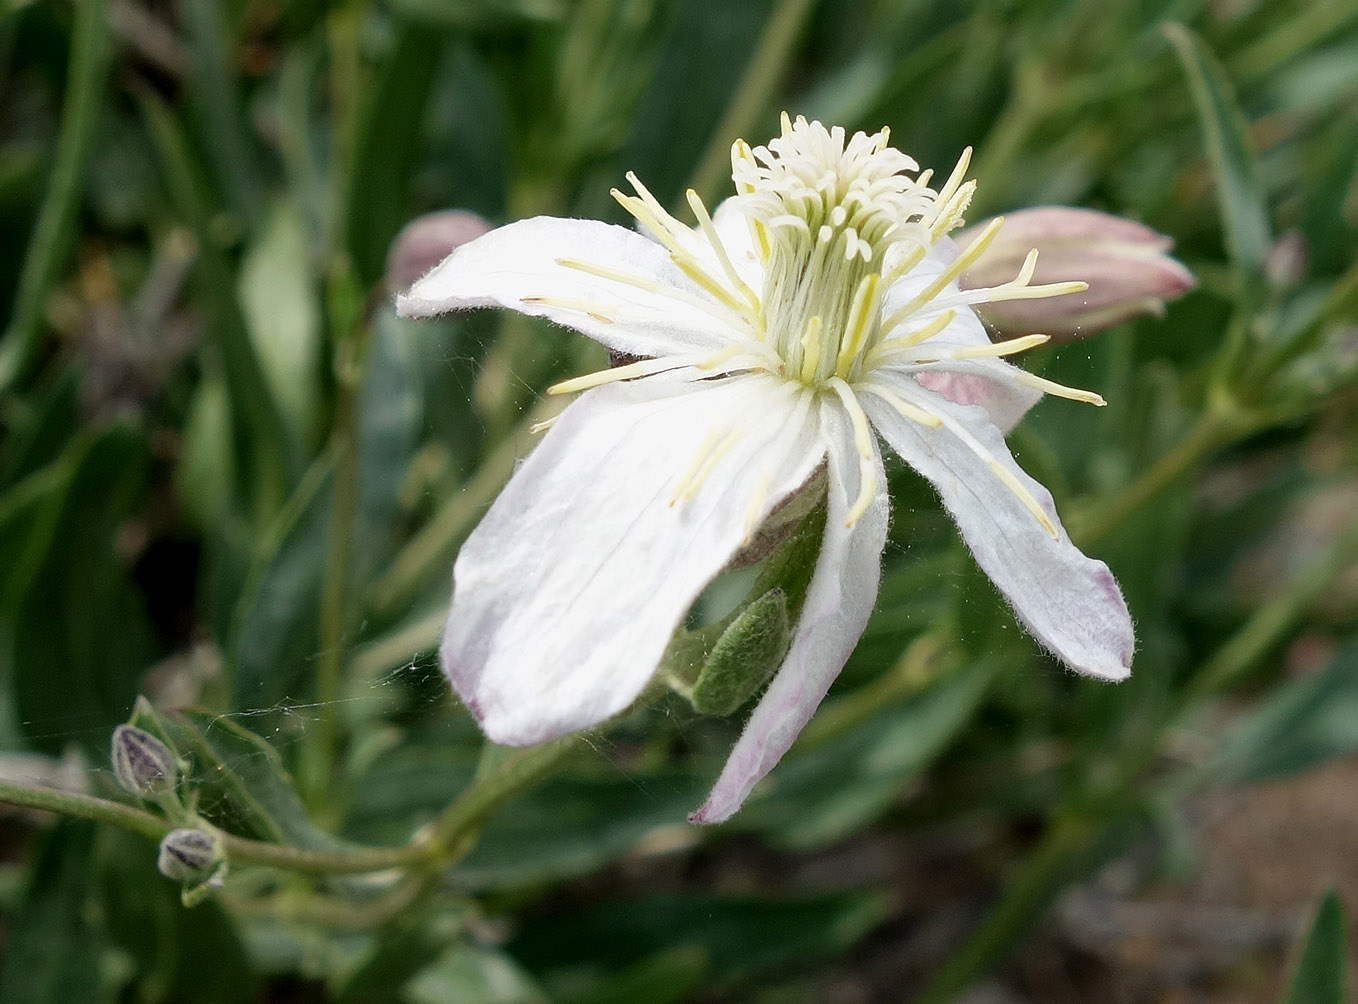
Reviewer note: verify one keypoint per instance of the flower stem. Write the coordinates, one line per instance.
(753, 93)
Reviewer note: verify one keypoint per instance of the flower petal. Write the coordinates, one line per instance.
(566, 594)
(987, 382)
(839, 600)
(519, 266)
(1069, 602)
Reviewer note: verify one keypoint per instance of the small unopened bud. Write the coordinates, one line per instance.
(142, 764)
(191, 855)
(427, 240)
(1126, 265)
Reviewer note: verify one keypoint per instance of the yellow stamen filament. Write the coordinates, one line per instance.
(1057, 389)
(598, 311)
(1005, 475)
(907, 410)
(960, 265)
(648, 285)
(702, 465)
(692, 268)
(811, 349)
(954, 181)
(719, 249)
(856, 329)
(1009, 347)
(646, 367)
(542, 426)
(756, 506)
(862, 439)
(910, 338)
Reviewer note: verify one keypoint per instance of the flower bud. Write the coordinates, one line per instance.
(142, 764)
(1125, 263)
(427, 240)
(192, 855)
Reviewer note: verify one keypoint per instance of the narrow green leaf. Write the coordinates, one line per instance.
(53, 947)
(1319, 976)
(1240, 193)
(53, 232)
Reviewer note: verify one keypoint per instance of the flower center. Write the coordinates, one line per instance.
(831, 219)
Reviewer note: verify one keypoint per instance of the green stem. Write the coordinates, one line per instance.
(754, 92)
(1212, 431)
(1272, 622)
(1037, 881)
(51, 236)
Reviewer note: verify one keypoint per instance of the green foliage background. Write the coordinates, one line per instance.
(232, 480)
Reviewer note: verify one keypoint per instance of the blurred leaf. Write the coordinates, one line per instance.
(53, 949)
(819, 795)
(52, 234)
(1240, 193)
(1300, 724)
(482, 13)
(467, 973)
(398, 953)
(740, 937)
(69, 611)
(279, 303)
(182, 953)
(571, 826)
(389, 139)
(667, 977)
(241, 784)
(1319, 977)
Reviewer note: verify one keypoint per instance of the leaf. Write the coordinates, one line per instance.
(53, 231)
(666, 977)
(1301, 723)
(53, 949)
(282, 316)
(239, 778)
(1319, 976)
(821, 794)
(468, 973)
(69, 611)
(1240, 193)
(740, 937)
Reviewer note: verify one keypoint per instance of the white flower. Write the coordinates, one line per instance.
(819, 304)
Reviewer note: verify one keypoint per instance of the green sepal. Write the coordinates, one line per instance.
(721, 666)
(744, 657)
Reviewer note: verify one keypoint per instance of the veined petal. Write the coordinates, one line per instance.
(1069, 602)
(660, 312)
(566, 594)
(839, 600)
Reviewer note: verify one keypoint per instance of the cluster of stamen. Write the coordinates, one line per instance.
(835, 221)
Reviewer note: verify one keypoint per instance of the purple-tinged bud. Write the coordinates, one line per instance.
(192, 855)
(1125, 263)
(427, 240)
(142, 764)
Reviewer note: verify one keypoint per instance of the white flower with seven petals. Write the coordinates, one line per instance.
(819, 303)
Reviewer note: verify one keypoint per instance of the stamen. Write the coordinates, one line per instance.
(598, 311)
(710, 232)
(959, 265)
(910, 339)
(811, 349)
(761, 492)
(959, 172)
(1005, 475)
(542, 426)
(646, 367)
(862, 438)
(696, 462)
(1009, 347)
(720, 311)
(907, 410)
(1057, 389)
(707, 458)
(861, 312)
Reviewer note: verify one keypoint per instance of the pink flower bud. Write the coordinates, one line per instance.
(1125, 263)
(427, 240)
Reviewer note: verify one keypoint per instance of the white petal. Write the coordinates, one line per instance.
(841, 596)
(566, 594)
(519, 266)
(733, 227)
(987, 382)
(1069, 602)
